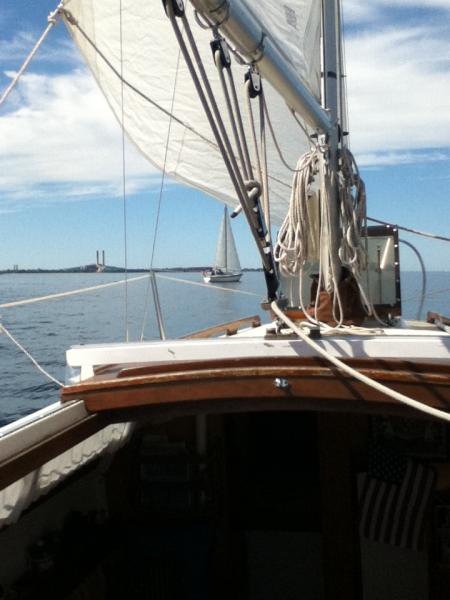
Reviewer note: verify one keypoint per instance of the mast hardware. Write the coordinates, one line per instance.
(177, 5)
(254, 78)
(219, 44)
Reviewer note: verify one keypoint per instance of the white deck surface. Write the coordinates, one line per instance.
(419, 344)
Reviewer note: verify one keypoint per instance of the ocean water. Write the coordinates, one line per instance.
(47, 329)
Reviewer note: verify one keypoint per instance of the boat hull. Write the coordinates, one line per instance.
(209, 277)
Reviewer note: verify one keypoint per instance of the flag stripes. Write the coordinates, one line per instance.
(393, 512)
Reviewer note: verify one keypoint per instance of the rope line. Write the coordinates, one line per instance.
(28, 355)
(52, 20)
(434, 412)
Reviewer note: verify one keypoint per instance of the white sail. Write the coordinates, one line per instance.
(294, 28)
(227, 258)
(145, 51)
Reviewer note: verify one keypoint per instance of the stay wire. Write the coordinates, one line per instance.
(433, 236)
(124, 191)
(248, 200)
(151, 279)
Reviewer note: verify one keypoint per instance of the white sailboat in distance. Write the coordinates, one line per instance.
(227, 268)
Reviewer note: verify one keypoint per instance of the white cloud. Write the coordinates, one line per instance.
(362, 11)
(357, 11)
(16, 49)
(61, 136)
(417, 3)
(398, 87)
(380, 159)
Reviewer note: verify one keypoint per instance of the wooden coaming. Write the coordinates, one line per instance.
(229, 328)
(236, 384)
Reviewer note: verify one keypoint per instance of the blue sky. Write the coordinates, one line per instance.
(57, 208)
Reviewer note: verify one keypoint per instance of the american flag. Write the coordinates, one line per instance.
(393, 497)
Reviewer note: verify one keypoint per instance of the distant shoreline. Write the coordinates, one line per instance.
(112, 270)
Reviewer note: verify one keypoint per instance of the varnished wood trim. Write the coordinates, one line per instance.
(233, 380)
(230, 328)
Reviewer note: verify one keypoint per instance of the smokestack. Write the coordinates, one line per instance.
(97, 258)
(103, 257)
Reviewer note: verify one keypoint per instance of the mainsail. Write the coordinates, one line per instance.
(133, 54)
(227, 259)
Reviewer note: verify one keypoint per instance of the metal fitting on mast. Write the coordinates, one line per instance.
(254, 79)
(220, 45)
(177, 6)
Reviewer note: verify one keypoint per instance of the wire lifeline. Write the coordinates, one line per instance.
(114, 283)
(433, 412)
(28, 355)
(69, 293)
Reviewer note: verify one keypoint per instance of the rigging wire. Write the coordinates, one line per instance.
(249, 199)
(94, 288)
(215, 287)
(433, 236)
(124, 191)
(70, 18)
(233, 118)
(152, 280)
(433, 412)
(69, 293)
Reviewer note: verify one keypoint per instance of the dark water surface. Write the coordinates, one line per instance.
(47, 329)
